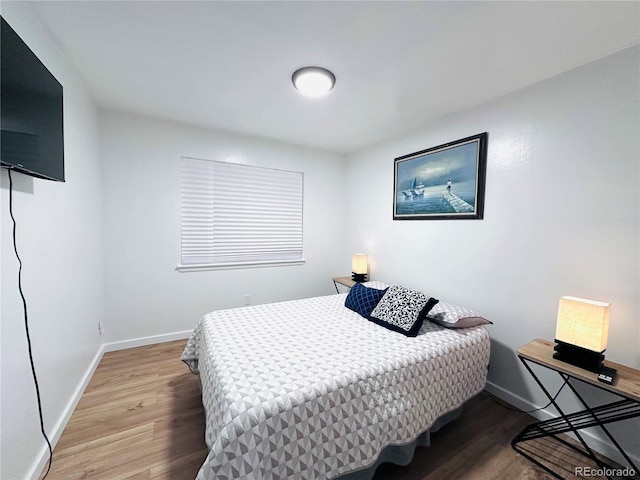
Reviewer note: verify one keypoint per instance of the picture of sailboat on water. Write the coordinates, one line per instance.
(416, 190)
(443, 182)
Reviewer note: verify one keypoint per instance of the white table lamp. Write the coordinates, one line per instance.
(359, 267)
(582, 331)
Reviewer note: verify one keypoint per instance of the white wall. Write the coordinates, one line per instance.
(144, 295)
(59, 241)
(562, 215)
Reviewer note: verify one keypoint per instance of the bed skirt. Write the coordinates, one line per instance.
(402, 454)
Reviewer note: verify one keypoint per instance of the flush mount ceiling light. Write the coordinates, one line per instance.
(313, 81)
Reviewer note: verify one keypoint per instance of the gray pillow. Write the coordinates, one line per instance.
(454, 316)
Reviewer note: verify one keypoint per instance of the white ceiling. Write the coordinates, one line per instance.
(399, 65)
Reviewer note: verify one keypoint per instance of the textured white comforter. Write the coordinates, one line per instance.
(310, 390)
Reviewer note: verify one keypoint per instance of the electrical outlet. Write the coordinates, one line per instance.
(247, 299)
(100, 328)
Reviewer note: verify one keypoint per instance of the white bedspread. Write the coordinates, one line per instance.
(310, 390)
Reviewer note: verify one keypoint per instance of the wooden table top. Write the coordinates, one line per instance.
(346, 281)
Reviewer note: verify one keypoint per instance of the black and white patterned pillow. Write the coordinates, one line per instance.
(402, 310)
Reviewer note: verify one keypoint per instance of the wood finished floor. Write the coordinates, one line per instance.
(141, 417)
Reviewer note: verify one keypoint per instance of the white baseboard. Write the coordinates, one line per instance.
(599, 444)
(56, 433)
(517, 401)
(152, 340)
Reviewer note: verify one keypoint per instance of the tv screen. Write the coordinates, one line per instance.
(32, 136)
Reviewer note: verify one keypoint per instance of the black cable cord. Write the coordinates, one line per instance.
(508, 407)
(26, 327)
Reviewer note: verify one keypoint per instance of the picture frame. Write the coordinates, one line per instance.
(446, 182)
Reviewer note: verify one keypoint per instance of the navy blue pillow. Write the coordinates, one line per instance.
(362, 299)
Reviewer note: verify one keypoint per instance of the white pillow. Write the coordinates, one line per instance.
(375, 284)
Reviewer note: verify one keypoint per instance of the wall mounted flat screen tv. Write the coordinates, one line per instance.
(32, 140)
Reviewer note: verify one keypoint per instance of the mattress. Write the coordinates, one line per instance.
(308, 389)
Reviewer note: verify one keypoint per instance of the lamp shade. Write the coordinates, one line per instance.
(359, 263)
(583, 323)
(359, 267)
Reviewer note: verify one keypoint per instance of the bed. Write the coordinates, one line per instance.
(308, 389)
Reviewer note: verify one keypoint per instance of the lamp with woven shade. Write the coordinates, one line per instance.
(582, 331)
(359, 267)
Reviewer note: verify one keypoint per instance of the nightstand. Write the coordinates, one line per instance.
(346, 281)
(626, 386)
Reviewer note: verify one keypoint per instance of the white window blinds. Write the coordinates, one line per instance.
(239, 215)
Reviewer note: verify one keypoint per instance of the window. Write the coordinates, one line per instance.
(236, 215)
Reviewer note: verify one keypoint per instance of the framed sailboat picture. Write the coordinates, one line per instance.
(442, 183)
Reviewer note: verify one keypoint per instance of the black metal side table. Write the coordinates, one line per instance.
(626, 386)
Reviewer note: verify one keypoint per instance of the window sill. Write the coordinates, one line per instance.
(239, 265)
